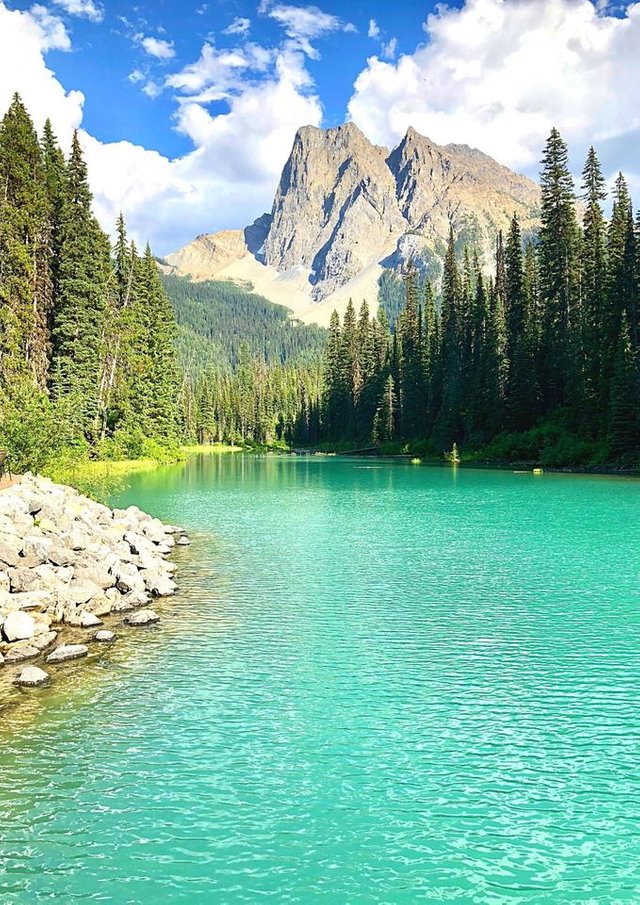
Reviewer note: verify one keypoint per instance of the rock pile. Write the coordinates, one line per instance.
(69, 562)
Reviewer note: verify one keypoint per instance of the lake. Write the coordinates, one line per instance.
(380, 683)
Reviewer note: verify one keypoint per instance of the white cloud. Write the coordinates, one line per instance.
(389, 48)
(239, 26)
(158, 47)
(374, 29)
(50, 28)
(303, 24)
(24, 37)
(84, 8)
(498, 74)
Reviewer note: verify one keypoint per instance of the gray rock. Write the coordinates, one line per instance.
(5, 582)
(19, 626)
(183, 541)
(104, 636)
(36, 550)
(159, 584)
(142, 617)
(27, 600)
(129, 579)
(60, 555)
(1, 660)
(23, 579)
(96, 573)
(81, 592)
(89, 620)
(10, 549)
(32, 676)
(68, 652)
(100, 606)
(26, 650)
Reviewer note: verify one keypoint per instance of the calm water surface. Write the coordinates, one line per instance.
(380, 684)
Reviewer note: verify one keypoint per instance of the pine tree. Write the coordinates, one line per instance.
(559, 272)
(412, 390)
(25, 254)
(449, 423)
(331, 402)
(594, 282)
(163, 415)
(84, 283)
(384, 424)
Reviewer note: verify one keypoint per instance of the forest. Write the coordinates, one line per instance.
(103, 356)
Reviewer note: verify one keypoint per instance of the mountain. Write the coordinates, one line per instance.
(345, 210)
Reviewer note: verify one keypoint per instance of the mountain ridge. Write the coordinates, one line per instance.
(345, 209)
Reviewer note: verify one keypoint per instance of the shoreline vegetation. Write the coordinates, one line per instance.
(73, 574)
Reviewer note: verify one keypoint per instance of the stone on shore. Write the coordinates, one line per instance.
(68, 652)
(32, 676)
(19, 626)
(142, 617)
(104, 636)
(27, 650)
(67, 561)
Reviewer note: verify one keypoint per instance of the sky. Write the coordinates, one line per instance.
(187, 110)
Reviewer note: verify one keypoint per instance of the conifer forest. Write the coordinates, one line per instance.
(103, 356)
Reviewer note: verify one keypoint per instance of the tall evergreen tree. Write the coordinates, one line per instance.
(559, 272)
(449, 424)
(84, 284)
(625, 422)
(25, 254)
(594, 281)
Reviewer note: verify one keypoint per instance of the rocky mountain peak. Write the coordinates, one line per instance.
(345, 208)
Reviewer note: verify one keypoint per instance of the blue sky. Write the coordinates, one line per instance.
(187, 110)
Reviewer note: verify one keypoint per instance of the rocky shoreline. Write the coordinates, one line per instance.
(67, 566)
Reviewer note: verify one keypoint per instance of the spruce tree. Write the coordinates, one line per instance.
(25, 254)
(559, 272)
(84, 283)
(593, 262)
(449, 423)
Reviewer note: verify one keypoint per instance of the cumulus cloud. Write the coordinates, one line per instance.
(239, 26)
(157, 47)
(389, 48)
(498, 74)
(87, 9)
(24, 37)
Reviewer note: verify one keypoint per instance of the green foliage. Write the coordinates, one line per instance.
(215, 318)
(87, 342)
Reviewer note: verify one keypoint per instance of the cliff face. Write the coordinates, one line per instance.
(335, 208)
(345, 206)
(344, 203)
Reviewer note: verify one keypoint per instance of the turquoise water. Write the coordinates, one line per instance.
(380, 684)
